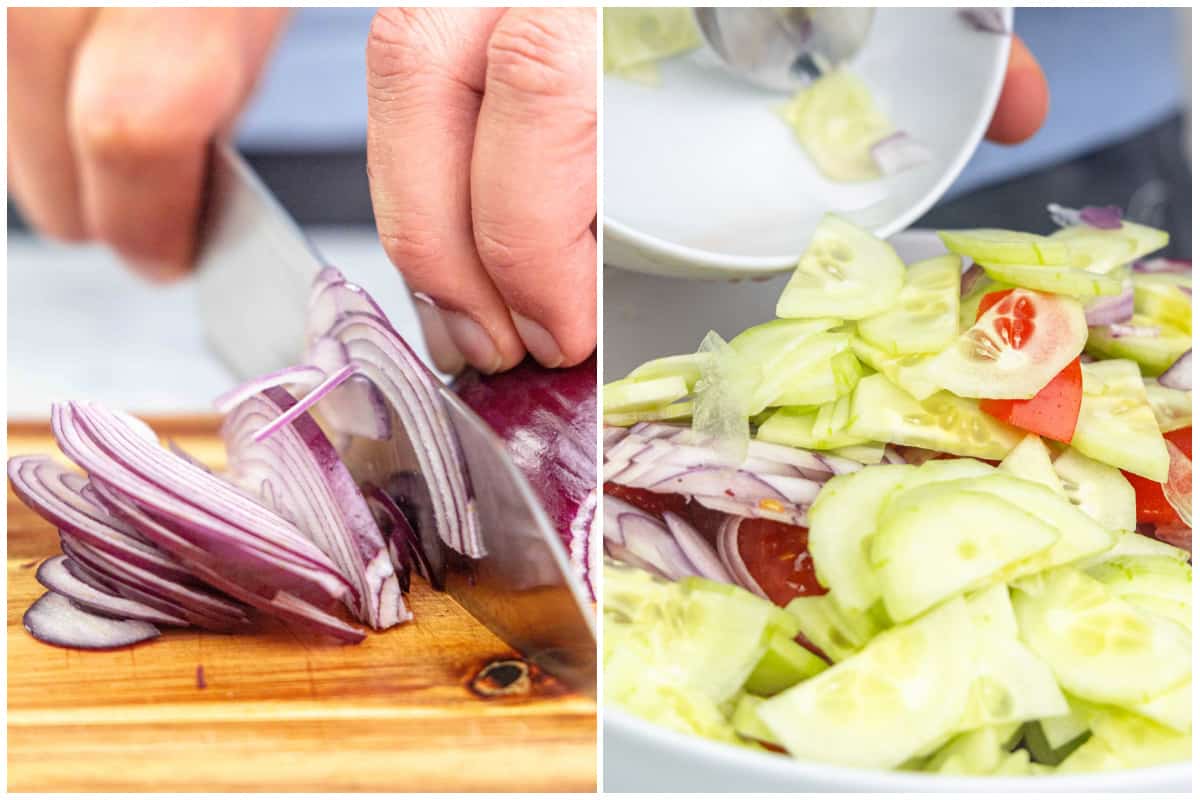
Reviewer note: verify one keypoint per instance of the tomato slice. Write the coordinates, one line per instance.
(990, 299)
(776, 555)
(650, 502)
(1182, 439)
(1052, 412)
(1152, 505)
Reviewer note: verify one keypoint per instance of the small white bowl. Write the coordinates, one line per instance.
(703, 180)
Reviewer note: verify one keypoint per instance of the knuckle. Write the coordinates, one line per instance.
(418, 256)
(539, 54)
(401, 44)
(504, 250)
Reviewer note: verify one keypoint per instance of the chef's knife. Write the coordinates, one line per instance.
(254, 270)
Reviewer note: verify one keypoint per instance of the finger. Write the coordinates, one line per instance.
(152, 88)
(42, 177)
(533, 178)
(425, 72)
(1024, 100)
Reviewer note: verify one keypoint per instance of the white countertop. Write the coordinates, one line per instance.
(81, 326)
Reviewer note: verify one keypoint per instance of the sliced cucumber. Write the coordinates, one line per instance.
(881, 411)
(955, 539)
(1079, 535)
(978, 752)
(823, 383)
(1030, 460)
(1012, 685)
(803, 375)
(996, 246)
(1155, 576)
(991, 611)
(839, 633)
(675, 411)
(1014, 349)
(779, 621)
(1121, 740)
(1102, 251)
(823, 429)
(901, 694)
(1101, 648)
(1100, 491)
(868, 453)
(628, 395)
(785, 664)
(746, 722)
(941, 470)
(925, 316)
(840, 521)
(1172, 407)
(846, 273)
(638, 37)
(1077, 283)
(1162, 297)
(1171, 709)
(905, 371)
(687, 366)
(1135, 544)
(776, 340)
(1116, 424)
(1153, 353)
(722, 395)
(968, 306)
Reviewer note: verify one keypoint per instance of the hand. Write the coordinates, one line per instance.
(1024, 100)
(481, 150)
(110, 114)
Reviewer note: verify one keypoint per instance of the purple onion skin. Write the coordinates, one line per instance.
(547, 417)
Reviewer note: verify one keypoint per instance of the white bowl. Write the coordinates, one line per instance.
(702, 179)
(648, 316)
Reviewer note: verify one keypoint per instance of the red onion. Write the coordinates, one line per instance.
(696, 548)
(984, 20)
(1121, 330)
(898, 152)
(1179, 374)
(1152, 265)
(1178, 488)
(54, 575)
(970, 279)
(291, 376)
(54, 619)
(1101, 217)
(1111, 309)
(731, 556)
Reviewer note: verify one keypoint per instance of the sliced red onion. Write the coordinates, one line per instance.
(971, 278)
(1178, 488)
(1102, 217)
(302, 376)
(1179, 374)
(1112, 309)
(891, 455)
(1171, 265)
(898, 152)
(313, 488)
(1175, 534)
(403, 542)
(1185, 289)
(585, 548)
(1121, 330)
(787, 514)
(762, 489)
(622, 554)
(54, 575)
(984, 20)
(258, 544)
(614, 507)
(696, 548)
(301, 408)
(731, 556)
(356, 408)
(54, 619)
(651, 541)
(913, 455)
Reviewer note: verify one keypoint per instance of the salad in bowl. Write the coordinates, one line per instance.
(933, 518)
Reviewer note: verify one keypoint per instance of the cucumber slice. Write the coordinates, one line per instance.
(1153, 353)
(823, 429)
(1121, 740)
(1079, 535)
(722, 396)
(968, 306)
(1116, 424)
(868, 453)
(1014, 349)
(846, 273)
(1160, 297)
(1101, 648)
(925, 316)
(1155, 576)
(1178, 612)
(1172, 407)
(803, 375)
(978, 752)
(628, 395)
(824, 383)
(935, 471)
(638, 37)
(675, 411)
(901, 694)
(992, 613)
(839, 633)
(779, 621)
(1077, 283)
(881, 411)
(775, 341)
(783, 665)
(956, 539)
(1102, 251)
(840, 521)
(996, 246)
(746, 722)
(836, 120)
(687, 366)
(1135, 544)
(1045, 752)
(1030, 460)
(1171, 709)
(1100, 491)
(1012, 685)
(905, 371)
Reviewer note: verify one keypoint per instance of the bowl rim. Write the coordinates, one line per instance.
(728, 757)
(709, 260)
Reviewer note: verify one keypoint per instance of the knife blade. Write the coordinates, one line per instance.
(254, 270)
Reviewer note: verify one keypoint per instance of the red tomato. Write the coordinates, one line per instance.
(1152, 505)
(988, 300)
(651, 502)
(1052, 412)
(776, 555)
(1182, 439)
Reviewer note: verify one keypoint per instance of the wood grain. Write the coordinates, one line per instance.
(280, 710)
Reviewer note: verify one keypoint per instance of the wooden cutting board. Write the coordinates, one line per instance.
(405, 710)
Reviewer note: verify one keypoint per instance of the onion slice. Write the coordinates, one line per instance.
(1121, 330)
(899, 151)
(1101, 217)
(1178, 488)
(1172, 265)
(1179, 374)
(696, 548)
(731, 556)
(971, 278)
(54, 575)
(1112, 309)
(289, 376)
(309, 485)
(54, 619)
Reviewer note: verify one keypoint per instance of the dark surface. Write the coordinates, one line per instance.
(1146, 175)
